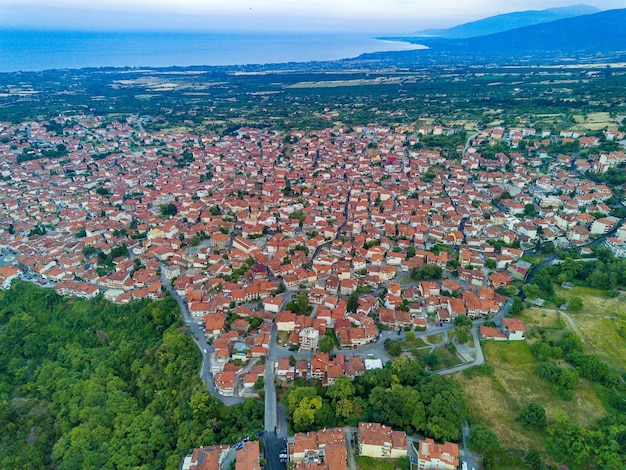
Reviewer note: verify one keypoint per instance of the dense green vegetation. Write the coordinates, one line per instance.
(89, 384)
(606, 272)
(401, 395)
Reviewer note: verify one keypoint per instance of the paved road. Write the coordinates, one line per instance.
(468, 456)
(274, 445)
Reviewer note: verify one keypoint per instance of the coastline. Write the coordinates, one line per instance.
(34, 51)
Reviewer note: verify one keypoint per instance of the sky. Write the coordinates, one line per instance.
(367, 16)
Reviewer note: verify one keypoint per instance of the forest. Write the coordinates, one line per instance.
(90, 384)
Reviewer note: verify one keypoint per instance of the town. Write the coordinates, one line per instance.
(306, 255)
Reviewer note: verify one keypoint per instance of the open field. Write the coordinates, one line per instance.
(594, 121)
(498, 400)
(344, 83)
(368, 463)
(602, 323)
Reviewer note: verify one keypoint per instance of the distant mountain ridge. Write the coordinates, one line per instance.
(509, 21)
(599, 32)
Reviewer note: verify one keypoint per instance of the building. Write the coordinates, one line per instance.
(309, 338)
(205, 458)
(514, 329)
(7, 274)
(380, 441)
(321, 450)
(441, 456)
(248, 457)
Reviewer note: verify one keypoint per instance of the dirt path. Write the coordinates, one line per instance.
(572, 324)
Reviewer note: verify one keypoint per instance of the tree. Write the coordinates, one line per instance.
(491, 263)
(341, 389)
(462, 320)
(530, 210)
(326, 344)
(88, 250)
(531, 290)
(300, 306)
(534, 460)
(517, 307)
(427, 272)
(395, 349)
(168, 210)
(483, 440)
(353, 302)
(304, 414)
(575, 304)
(533, 415)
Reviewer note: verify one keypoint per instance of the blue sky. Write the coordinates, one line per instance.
(367, 16)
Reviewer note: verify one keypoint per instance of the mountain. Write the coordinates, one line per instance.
(599, 32)
(499, 23)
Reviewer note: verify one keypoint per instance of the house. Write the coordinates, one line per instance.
(514, 328)
(308, 338)
(380, 441)
(487, 332)
(214, 324)
(441, 456)
(285, 321)
(225, 383)
(205, 458)
(273, 304)
(284, 370)
(321, 450)
(248, 457)
(519, 269)
(7, 274)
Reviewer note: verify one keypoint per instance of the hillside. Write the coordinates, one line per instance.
(508, 21)
(600, 32)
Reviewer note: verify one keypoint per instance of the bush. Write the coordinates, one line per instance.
(533, 415)
(484, 370)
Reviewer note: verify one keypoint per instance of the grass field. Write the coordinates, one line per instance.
(498, 400)
(444, 358)
(414, 343)
(595, 121)
(368, 463)
(434, 339)
(601, 323)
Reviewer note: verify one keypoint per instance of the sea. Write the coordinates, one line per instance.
(43, 50)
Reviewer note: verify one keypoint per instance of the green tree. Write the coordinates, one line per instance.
(395, 349)
(517, 307)
(300, 306)
(326, 344)
(575, 304)
(304, 414)
(168, 210)
(533, 415)
(483, 440)
(534, 460)
(353, 302)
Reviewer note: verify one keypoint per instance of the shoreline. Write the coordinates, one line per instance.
(38, 51)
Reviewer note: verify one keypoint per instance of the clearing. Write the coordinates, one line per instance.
(497, 400)
(602, 324)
